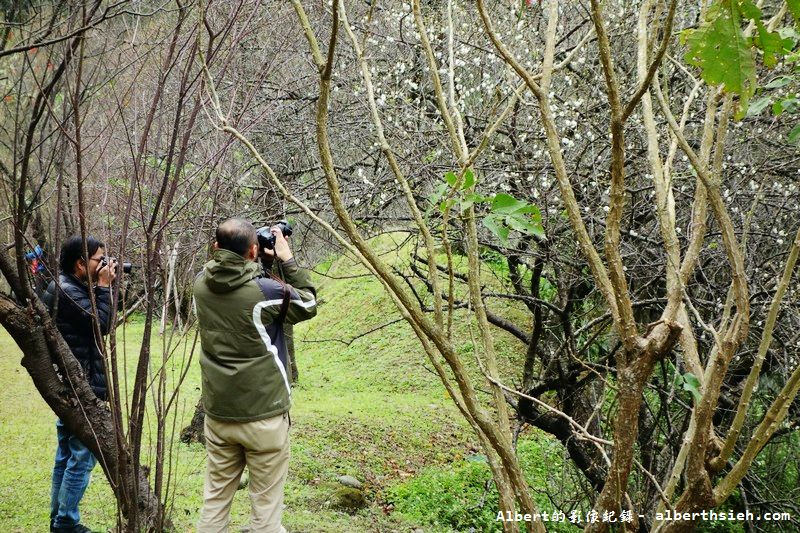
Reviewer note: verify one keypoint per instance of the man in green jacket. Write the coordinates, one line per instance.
(246, 385)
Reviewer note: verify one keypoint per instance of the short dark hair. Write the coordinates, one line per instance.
(236, 235)
(72, 250)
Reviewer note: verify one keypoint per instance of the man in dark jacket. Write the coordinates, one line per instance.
(68, 300)
(246, 383)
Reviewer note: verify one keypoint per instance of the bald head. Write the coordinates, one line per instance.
(236, 235)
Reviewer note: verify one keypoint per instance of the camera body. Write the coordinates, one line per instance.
(265, 237)
(126, 267)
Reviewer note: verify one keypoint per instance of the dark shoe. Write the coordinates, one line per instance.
(77, 528)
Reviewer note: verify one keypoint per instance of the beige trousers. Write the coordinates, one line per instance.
(263, 446)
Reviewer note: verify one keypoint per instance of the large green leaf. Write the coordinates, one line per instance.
(722, 52)
(726, 57)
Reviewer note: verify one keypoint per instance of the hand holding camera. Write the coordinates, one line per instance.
(106, 271)
(272, 241)
(281, 247)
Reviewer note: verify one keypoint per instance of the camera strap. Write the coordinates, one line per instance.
(286, 296)
(287, 293)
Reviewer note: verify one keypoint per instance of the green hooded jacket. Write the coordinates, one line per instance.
(244, 355)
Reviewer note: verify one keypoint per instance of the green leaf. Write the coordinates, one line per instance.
(506, 204)
(430, 157)
(790, 104)
(777, 108)
(477, 198)
(771, 43)
(757, 106)
(469, 179)
(794, 135)
(779, 82)
(787, 32)
(794, 9)
(495, 225)
(528, 209)
(446, 204)
(721, 51)
(692, 384)
(525, 224)
(536, 215)
(749, 10)
(437, 196)
(451, 178)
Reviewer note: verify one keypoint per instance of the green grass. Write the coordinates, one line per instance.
(368, 406)
(462, 496)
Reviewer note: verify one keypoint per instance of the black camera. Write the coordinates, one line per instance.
(126, 267)
(265, 237)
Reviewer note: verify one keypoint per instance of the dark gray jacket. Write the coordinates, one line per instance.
(74, 321)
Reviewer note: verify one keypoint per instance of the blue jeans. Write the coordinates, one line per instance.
(71, 474)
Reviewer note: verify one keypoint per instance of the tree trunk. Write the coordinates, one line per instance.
(194, 431)
(59, 379)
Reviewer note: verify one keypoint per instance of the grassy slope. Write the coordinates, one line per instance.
(369, 409)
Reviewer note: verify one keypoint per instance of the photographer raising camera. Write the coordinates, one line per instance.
(246, 387)
(68, 298)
